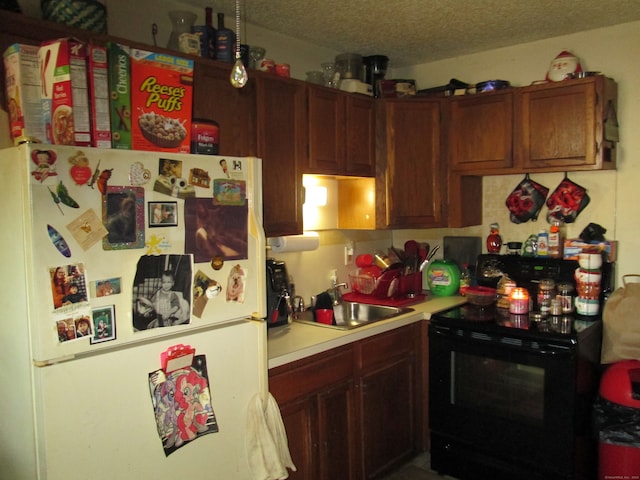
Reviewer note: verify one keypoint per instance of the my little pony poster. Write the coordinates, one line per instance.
(182, 404)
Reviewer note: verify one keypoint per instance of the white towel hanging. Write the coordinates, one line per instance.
(267, 446)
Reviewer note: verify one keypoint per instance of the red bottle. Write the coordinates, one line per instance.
(494, 240)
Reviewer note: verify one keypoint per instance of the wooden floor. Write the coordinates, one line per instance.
(418, 469)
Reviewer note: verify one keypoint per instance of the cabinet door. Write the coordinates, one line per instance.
(299, 419)
(562, 126)
(360, 127)
(327, 128)
(414, 174)
(388, 417)
(281, 142)
(480, 132)
(234, 109)
(337, 436)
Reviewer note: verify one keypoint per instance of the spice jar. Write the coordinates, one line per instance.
(546, 291)
(565, 294)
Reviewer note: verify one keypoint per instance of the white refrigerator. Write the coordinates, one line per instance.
(132, 287)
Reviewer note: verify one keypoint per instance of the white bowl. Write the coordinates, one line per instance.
(590, 261)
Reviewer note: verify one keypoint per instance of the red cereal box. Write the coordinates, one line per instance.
(99, 97)
(161, 91)
(65, 95)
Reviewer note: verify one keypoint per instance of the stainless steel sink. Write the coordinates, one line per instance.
(350, 315)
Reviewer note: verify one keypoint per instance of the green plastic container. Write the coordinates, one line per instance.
(443, 278)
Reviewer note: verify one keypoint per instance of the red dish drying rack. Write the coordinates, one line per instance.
(392, 288)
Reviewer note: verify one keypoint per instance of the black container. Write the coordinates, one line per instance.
(375, 70)
(277, 293)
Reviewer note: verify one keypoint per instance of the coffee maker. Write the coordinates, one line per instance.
(278, 294)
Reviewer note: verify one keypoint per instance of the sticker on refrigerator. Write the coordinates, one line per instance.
(181, 401)
(106, 287)
(74, 328)
(163, 214)
(229, 192)
(162, 291)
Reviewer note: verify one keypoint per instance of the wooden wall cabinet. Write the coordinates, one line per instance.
(341, 133)
(411, 185)
(281, 143)
(553, 127)
(233, 108)
(563, 126)
(480, 131)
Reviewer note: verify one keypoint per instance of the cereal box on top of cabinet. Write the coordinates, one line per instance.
(119, 66)
(65, 94)
(23, 86)
(161, 92)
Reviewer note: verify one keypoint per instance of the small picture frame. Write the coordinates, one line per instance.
(123, 215)
(162, 214)
(104, 324)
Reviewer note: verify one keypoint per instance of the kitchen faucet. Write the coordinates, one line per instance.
(336, 293)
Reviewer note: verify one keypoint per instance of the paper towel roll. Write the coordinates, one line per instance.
(295, 243)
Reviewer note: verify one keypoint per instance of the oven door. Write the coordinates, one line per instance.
(501, 402)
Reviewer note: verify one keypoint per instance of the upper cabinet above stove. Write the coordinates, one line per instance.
(564, 126)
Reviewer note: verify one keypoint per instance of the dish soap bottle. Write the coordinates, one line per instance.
(494, 240)
(465, 279)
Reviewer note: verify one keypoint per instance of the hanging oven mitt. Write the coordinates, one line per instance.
(567, 201)
(525, 202)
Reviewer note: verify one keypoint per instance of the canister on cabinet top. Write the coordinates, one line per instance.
(205, 136)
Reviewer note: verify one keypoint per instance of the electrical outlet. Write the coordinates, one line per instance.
(348, 253)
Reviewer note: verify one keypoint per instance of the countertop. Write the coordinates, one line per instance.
(295, 341)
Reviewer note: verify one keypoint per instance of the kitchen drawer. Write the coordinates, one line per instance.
(301, 378)
(383, 348)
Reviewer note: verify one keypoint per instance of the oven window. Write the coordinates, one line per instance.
(497, 387)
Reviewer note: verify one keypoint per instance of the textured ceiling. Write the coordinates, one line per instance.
(418, 31)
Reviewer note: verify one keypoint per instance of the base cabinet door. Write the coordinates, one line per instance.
(298, 418)
(316, 397)
(389, 399)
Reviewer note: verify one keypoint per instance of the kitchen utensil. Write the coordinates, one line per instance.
(429, 257)
(411, 258)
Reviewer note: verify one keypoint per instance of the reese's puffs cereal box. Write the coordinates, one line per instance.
(161, 91)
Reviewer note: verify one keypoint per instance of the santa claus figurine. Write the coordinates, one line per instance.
(564, 64)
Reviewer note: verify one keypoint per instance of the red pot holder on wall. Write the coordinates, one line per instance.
(525, 202)
(567, 201)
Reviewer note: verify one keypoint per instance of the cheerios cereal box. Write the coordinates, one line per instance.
(119, 94)
(161, 92)
(65, 94)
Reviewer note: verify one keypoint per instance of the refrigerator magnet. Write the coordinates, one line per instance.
(80, 170)
(87, 229)
(58, 241)
(45, 164)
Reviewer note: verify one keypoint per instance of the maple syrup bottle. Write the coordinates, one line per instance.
(494, 240)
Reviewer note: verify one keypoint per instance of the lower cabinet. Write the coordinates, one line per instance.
(353, 412)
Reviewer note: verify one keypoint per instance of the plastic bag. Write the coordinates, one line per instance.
(526, 200)
(621, 323)
(616, 424)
